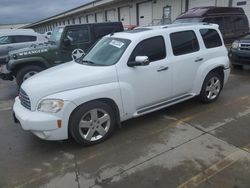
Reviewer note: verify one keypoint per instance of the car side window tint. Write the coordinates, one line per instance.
(211, 38)
(184, 42)
(77, 36)
(154, 48)
(23, 38)
(5, 40)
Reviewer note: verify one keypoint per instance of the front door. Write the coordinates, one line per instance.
(151, 84)
(80, 41)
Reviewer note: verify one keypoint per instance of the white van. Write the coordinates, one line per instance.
(14, 39)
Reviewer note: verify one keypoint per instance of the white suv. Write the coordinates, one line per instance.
(125, 75)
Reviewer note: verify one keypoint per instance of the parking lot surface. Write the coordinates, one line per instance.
(187, 145)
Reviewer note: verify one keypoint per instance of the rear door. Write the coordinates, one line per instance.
(80, 42)
(187, 58)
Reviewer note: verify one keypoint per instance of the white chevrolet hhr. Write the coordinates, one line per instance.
(125, 75)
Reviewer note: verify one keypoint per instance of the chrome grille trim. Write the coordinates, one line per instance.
(24, 98)
(244, 46)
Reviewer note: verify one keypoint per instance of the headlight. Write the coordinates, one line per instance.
(235, 44)
(50, 105)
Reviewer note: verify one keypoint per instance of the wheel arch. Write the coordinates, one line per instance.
(219, 69)
(107, 101)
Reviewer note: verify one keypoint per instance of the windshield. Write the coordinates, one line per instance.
(188, 20)
(106, 52)
(56, 35)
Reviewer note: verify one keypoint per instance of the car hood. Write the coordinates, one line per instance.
(245, 39)
(65, 77)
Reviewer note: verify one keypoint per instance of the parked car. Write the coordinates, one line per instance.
(66, 43)
(239, 52)
(13, 39)
(232, 21)
(125, 75)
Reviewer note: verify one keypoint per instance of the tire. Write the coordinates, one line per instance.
(86, 126)
(26, 72)
(211, 88)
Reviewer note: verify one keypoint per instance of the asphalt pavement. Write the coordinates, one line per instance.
(186, 145)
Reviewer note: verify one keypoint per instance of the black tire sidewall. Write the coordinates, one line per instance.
(203, 96)
(77, 115)
(20, 73)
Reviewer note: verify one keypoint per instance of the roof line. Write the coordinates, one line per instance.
(63, 13)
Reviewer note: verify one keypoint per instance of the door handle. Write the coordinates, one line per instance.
(162, 69)
(199, 59)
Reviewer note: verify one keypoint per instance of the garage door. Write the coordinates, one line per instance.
(91, 18)
(124, 15)
(110, 14)
(243, 4)
(199, 3)
(99, 17)
(145, 14)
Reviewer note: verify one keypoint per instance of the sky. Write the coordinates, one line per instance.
(28, 11)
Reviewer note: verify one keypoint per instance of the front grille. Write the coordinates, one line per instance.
(245, 47)
(24, 98)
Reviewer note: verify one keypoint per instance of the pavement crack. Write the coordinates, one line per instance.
(77, 173)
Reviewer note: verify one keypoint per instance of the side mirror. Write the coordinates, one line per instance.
(66, 42)
(139, 61)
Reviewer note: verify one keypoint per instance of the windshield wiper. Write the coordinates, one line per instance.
(85, 61)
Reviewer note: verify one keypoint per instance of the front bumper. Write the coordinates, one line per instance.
(239, 57)
(44, 125)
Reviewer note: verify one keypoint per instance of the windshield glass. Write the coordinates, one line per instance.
(56, 35)
(106, 52)
(188, 20)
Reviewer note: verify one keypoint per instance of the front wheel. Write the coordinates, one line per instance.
(211, 88)
(26, 72)
(92, 123)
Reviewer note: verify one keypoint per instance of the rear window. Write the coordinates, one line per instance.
(211, 38)
(184, 42)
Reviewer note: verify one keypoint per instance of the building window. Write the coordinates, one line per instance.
(73, 20)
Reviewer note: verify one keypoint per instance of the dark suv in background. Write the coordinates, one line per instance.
(232, 21)
(239, 53)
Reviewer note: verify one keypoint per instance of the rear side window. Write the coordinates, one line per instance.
(77, 36)
(211, 38)
(154, 48)
(20, 38)
(184, 42)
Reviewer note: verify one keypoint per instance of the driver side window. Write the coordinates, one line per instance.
(154, 48)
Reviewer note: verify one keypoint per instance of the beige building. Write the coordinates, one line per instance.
(131, 12)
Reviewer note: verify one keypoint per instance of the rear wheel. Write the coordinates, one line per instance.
(211, 87)
(27, 72)
(92, 123)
